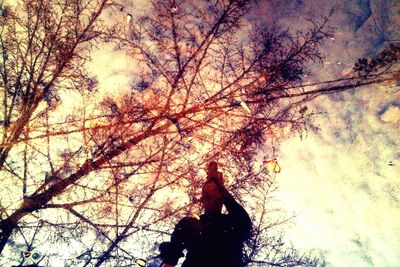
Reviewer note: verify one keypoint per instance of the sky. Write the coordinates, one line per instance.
(343, 182)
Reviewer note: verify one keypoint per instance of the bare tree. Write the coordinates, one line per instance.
(44, 46)
(113, 177)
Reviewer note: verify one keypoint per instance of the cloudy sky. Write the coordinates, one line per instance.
(344, 181)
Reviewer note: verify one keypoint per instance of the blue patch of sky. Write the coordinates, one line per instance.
(343, 136)
(363, 250)
(359, 11)
(346, 134)
(309, 158)
(298, 4)
(392, 192)
(336, 97)
(395, 103)
(366, 188)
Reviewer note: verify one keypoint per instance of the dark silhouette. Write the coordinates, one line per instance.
(213, 239)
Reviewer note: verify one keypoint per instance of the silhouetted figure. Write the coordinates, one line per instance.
(214, 239)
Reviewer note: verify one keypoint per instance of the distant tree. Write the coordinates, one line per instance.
(113, 175)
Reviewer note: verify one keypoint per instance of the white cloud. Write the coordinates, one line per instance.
(391, 114)
(342, 185)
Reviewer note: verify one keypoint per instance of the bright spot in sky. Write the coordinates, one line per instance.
(128, 19)
(391, 115)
